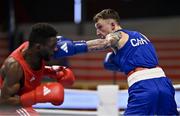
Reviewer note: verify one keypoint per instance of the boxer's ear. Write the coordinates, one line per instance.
(113, 26)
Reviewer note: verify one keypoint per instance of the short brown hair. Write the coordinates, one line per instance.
(107, 14)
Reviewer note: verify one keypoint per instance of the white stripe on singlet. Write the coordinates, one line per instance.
(22, 112)
(19, 113)
(25, 111)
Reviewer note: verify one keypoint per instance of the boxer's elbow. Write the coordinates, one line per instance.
(9, 100)
(8, 95)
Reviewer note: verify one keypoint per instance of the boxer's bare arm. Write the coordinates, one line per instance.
(101, 44)
(98, 44)
(12, 73)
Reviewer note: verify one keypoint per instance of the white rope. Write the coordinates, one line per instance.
(69, 112)
(177, 86)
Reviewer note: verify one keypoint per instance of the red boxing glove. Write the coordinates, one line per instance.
(49, 92)
(63, 75)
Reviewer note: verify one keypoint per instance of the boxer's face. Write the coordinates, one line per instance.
(103, 27)
(47, 50)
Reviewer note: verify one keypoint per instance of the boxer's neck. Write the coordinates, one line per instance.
(33, 59)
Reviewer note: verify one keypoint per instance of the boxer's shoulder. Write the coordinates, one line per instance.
(11, 68)
(11, 63)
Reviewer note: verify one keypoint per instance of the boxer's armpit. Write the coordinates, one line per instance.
(98, 44)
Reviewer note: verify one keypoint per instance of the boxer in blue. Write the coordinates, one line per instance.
(150, 91)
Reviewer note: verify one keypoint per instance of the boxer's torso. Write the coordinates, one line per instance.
(31, 79)
(137, 51)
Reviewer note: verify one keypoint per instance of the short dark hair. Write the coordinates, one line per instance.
(40, 33)
(107, 14)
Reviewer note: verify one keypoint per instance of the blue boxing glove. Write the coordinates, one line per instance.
(67, 47)
(109, 63)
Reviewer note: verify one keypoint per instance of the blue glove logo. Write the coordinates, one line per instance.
(64, 47)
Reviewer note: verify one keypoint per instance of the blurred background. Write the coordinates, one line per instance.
(159, 20)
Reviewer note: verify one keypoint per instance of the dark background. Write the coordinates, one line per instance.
(63, 10)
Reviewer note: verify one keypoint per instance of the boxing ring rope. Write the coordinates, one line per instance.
(66, 112)
(85, 102)
(177, 86)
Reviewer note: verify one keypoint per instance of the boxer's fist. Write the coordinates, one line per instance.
(63, 74)
(49, 92)
(109, 62)
(66, 76)
(67, 47)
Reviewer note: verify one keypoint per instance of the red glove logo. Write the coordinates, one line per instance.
(46, 90)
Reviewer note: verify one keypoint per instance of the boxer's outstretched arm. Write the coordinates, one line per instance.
(111, 40)
(12, 73)
(68, 47)
(98, 44)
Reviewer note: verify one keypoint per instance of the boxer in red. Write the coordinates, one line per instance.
(22, 71)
